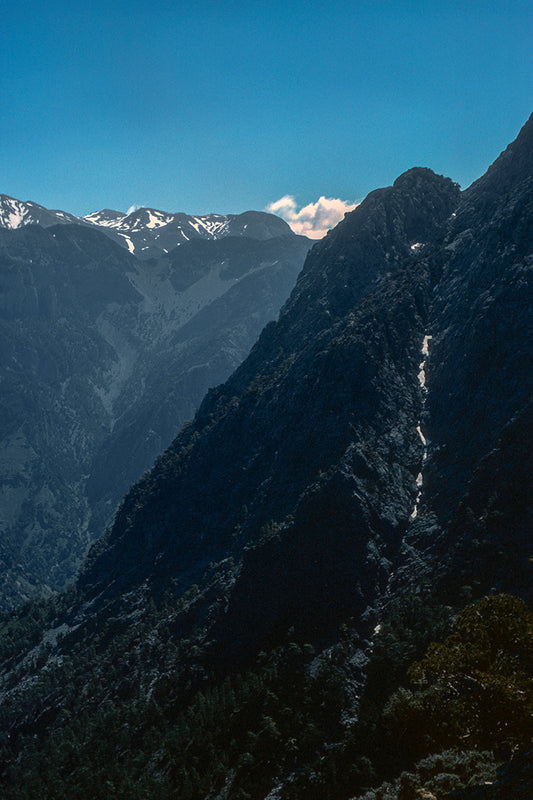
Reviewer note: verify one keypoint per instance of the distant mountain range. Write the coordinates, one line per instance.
(104, 356)
(255, 623)
(147, 232)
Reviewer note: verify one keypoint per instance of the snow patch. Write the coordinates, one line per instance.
(212, 224)
(156, 219)
(422, 381)
(13, 213)
(422, 437)
(422, 365)
(128, 241)
(98, 218)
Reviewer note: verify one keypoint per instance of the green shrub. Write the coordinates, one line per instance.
(476, 688)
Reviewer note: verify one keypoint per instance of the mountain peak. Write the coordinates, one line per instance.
(419, 176)
(18, 213)
(512, 166)
(521, 146)
(257, 225)
(105, 212)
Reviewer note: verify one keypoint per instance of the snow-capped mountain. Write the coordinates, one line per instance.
(147, 232)
(17, 213)
(151, 218)
(107, 217)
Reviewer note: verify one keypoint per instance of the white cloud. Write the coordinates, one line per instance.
(313, 220)
(131, 209)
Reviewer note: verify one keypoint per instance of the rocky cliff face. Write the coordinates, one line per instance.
(103, 359)
(265, 585)
(479, 404)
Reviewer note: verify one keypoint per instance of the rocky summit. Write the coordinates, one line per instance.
(321, 586)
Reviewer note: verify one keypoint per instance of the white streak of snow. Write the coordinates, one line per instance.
(156, 219)
(425, 344)
(422, 381)
(128, 241)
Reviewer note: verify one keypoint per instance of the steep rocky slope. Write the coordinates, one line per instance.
(479, 407)
(323, 407)
(238, 631)
(103, 358)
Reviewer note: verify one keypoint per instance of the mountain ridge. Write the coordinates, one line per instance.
(147, 232)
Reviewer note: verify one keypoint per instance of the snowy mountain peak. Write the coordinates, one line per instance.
(147, 218)
(12, 212)
(149, 232)
(16, 213)
(107, 217)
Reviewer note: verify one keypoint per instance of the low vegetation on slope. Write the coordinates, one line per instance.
(123, 718)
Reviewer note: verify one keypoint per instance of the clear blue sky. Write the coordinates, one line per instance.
(224, 106)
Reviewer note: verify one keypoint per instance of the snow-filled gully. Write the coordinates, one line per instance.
(419, 479)
(422, 382)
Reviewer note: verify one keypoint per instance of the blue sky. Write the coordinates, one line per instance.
(225, 106)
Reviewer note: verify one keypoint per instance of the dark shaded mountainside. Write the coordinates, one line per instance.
(103, 357)
(245, 627)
